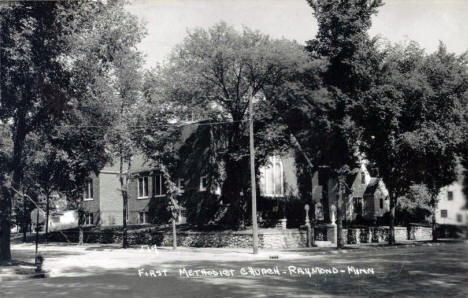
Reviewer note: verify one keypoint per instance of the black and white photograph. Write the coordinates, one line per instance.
(233, 148)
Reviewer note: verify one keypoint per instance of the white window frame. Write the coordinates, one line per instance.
(88, 193)
(217, 190)
(159, 193)
(271, 166)
(144, 180)
(145, 217)
(89, 218)
(180, 185)
(203, 188)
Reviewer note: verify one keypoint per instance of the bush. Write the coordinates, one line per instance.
(159, 211)
(274, 209)
(203, 208)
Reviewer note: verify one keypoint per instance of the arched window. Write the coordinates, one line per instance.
(271, 181)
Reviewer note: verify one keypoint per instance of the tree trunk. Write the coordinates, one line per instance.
(125, 211)
(434, 223)
(124, 186)
(37, 230)
(17, 176)
(80, 235)
(232, 188)
(5, 211)
(80, 223)
(391, 232)
(325, 198)
(312, 208)
(25, 222)
(174, 233)
(339, 216)
(47, 218)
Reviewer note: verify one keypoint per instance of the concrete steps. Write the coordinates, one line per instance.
(321, 243)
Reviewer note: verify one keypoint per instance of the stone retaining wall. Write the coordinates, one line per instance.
(268, 238)
(374, 234)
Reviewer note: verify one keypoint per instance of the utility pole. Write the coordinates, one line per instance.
(252, 177)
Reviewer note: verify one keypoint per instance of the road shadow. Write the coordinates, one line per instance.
(15, 262)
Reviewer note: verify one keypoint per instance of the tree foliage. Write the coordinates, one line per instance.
(414, 119)
(415, 206)
(216, 71)
(333, 136)
(56, 59)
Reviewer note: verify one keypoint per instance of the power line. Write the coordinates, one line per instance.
(164, 125)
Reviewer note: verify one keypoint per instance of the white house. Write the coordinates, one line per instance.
(451, 205)
(63, 220)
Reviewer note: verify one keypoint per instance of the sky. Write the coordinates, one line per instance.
(424, 21)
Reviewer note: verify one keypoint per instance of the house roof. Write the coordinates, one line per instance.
(372, 186)
(141, 164)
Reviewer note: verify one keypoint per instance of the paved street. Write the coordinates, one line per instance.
(103, 271)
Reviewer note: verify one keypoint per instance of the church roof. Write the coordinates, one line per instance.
(372, 186)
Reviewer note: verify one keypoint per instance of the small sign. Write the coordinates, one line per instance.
(319, 211)
(34, 216)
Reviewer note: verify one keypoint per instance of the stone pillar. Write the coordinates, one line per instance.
(310, 235)
(283, 222)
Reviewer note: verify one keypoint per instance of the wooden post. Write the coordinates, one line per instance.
(252, 177)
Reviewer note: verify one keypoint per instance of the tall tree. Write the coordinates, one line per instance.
(160, 140)
(438, 135)
(6, 150)
(32, 85)
(412, 120)
(108, 52)
(216, 71)
(343, 39)
(123, 138)
(56, 59)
